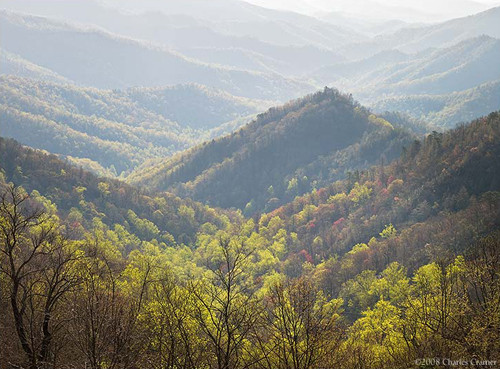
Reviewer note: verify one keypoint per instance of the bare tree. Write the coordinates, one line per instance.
(226, 308)
(303, 330)
(104, 322)
(36, 261)
(174, 340)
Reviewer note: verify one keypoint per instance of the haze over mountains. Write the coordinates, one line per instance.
(444, 110)
(187, 30)
(179, 189)
(380, 10)
(96, 58)
(432, 71)
(231, 45)
(193, 70)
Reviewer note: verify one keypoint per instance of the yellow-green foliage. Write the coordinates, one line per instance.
(376, 339)
(360, 193)
(388, 232)
(379, 121)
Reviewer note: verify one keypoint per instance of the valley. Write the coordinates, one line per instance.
(232, 185)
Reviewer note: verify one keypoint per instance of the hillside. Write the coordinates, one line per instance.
(385, 248)
(93, 57)
(195, 106)
(447, 110)
(459, 67)
(450, 32)
(447, 76)
(12, 64)
(114, 131)
(366, 238)
(445, 177)
(163, 207)
(82, 197)
(285, 152)
(354, 69)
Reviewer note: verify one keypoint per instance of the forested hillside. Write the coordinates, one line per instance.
(396, 263)
(112, 132)
(433, 180)
(82, 197)
(456, 68)
(15, 65)
(164, 204)
(446, 110)
(285, 152)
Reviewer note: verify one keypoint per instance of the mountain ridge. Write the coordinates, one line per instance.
(289, 138)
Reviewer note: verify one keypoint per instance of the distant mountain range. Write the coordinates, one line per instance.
(446, 110)
(393, 75)
(92, 57)
(445, 34)
(459, 67)
(118, 91)
(248, 50)
(372, 11)
(199, 31)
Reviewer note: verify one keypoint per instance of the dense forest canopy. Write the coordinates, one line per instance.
(285, 152)
(164, 204)
(389, 259)
(113, 132)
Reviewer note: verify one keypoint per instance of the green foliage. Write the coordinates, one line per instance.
(388, 232)
(163, 217)
(314, 283)
(359, 193)
(376, 340)
(379, 121)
